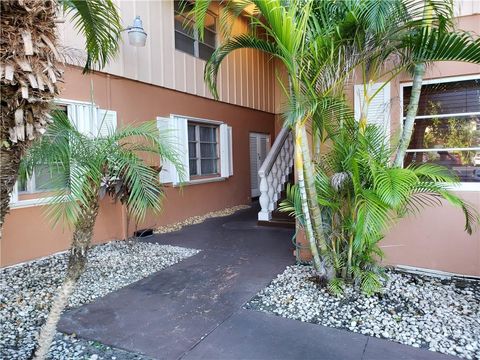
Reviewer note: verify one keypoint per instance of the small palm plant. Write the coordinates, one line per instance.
(361, 195)
(87, 164)
(31, 57)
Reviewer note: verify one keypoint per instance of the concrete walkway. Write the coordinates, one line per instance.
(193, 310)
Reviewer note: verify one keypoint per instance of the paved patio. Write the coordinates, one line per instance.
(193, 310)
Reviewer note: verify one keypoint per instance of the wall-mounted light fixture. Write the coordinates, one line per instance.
(136, 35)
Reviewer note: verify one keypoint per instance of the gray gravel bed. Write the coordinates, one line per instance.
(441, 315)
(27, 291)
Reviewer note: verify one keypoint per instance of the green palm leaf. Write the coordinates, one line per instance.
(235, 43)
(99, 22)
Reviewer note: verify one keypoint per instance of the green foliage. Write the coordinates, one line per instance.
(99, 22)
(87, 163)
(362, 195)
(335, 286)
(320, 44)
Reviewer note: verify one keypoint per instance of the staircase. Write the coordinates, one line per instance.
(275, 172)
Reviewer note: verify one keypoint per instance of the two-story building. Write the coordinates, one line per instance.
(224, 143)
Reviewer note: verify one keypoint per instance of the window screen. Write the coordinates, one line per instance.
(447, 127)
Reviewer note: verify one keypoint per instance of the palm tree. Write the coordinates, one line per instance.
(362, 195)
(88, 164)
(320, 43)
(290, 33)
(30, 63)
(410, 35)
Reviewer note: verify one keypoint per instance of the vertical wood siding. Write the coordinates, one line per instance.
(466, 7)
(246, 77)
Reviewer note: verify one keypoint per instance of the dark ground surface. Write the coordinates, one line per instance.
(193, 310)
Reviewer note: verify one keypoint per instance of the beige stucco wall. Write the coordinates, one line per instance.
(27, 233)
(435, 239)
(246, 77)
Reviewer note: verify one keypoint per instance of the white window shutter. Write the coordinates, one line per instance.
(225, 158)
(176, 130)
(106, 122)
(181, 126)
(230, 150)
(84, 117)
(379, 108)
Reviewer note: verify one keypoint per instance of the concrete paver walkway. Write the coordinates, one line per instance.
(193, 310)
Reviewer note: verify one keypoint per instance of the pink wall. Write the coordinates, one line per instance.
(435, 239)
(27, 234)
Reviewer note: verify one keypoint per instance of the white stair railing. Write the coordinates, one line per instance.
(274, 173)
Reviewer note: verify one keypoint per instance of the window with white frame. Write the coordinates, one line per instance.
(89, 120)
(187, 38)
(203, 149)
(44, 178)
(204, 146)
(447, 127)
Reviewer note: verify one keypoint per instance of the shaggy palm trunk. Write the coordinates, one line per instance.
(299, 161)
(28, 82)
(77, 261)
(9, 165)
(419, 71)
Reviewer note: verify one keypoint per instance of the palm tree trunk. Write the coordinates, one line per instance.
(404, 141)
(77, 261)
(317, 142)
(299, 161)
(9, 165)
(316, 215)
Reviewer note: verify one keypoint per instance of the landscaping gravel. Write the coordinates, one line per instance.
(199, 219)
(27, 291)
(438, 314)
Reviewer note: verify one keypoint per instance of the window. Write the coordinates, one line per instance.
(43, 177)
(447, 127)
(89, 120)
(187, 38)
(203, 149)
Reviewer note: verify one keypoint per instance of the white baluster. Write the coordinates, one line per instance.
(264, 214)
(291, 149)
(275, 174)
(283, 166)
(280, 174)
(270, 191)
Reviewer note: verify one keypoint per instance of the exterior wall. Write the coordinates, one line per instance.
(135, 102)
(435, 238)
(466, 7)
(246, 78)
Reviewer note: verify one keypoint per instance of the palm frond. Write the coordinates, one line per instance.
(243, 41)
(99, 22)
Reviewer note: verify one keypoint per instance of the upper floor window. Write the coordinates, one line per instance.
(447, 127)
(187, 38)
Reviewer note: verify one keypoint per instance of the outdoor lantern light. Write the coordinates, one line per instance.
(136, 35)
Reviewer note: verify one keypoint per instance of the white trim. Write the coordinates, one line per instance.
(434, 273)
(201, 181)
(443, 149)
(31, 202)
(465, 186)
(439, 116)
(198, 120)
(61, 101)
(442, 80)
